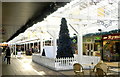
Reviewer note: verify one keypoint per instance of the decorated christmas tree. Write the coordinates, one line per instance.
(64, 42)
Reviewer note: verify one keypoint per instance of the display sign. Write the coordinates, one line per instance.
(49, 51)
(97, 38)
(89, 40)
(1, 44)
(74, 41)
(111, 37)
(101, 11)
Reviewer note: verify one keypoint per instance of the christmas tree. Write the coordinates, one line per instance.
(64, 42)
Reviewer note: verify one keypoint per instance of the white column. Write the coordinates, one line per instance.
(43, 42)
(29, 45)
(54, 45)
(15, 50)
(12, 47)
(119, 14)
(24, 47)
(33, 44)
(41, 45)
(80, 43)
(38, 46)
(51, 42)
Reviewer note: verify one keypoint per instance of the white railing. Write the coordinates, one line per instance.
(64, 63)
(49, 62)
(88, 60)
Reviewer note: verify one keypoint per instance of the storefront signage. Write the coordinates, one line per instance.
(97, 38)
(111, 37)
(74, 41)
(88, 40)
(3, 44)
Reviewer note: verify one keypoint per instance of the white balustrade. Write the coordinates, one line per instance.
(49, 62)
(88, 60)
(64, 63)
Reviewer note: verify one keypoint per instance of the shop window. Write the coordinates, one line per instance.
(91, 46)
(117, 44)
(88, 47)
(95, 47)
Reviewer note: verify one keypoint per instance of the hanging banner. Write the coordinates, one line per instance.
(101, 11)
(111, 37)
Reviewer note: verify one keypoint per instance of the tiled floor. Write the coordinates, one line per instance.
(113, 64)
(25, 66)
(0, 65)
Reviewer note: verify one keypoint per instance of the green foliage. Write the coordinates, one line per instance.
(64, 42)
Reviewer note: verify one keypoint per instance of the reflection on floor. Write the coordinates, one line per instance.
(25, 66)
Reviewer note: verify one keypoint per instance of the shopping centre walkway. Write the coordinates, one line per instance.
(25, 66)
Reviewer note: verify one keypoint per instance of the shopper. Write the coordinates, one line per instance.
(4, 53)
(8, 55)
(0, 50)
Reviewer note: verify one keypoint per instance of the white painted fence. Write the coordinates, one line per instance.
(49, 62)
(64, 63)
(88, 60)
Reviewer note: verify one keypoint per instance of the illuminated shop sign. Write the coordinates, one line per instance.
(111, 37)
(98, 38)
(3, 44)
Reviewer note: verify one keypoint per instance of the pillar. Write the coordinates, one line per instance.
(24, 47)
(12, 47)
(15, 50)
(43, 42)
(33, 44)
(41, 45)
(38, 46)
(119, 15)
(80, 43)
(51, 42)
(54, 45)
(29, 45)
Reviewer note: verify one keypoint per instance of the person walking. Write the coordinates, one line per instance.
(8, 55)
(0, 50)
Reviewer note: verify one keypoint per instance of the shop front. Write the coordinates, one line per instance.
(92, 45)
(111, 47)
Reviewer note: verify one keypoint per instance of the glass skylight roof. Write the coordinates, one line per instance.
(89, 17)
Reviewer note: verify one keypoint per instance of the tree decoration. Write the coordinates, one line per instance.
(64, 42)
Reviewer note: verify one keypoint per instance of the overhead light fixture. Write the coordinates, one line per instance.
(74, 34)
(95, 1)
(100, 30)
(84, 25)
(110, 1)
